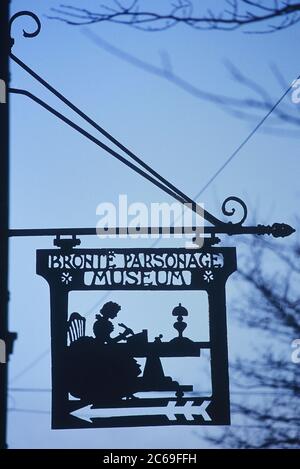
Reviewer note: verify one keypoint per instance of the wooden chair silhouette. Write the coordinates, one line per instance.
(76, 327)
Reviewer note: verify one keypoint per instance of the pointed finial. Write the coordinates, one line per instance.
(281, 230)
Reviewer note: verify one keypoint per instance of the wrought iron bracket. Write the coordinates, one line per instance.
(219, 226)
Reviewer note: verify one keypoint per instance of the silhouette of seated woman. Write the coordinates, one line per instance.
(98, 371)
(103, 327)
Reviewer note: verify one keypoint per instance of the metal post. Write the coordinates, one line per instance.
(4, 193)
(219, 355)
(59, 317)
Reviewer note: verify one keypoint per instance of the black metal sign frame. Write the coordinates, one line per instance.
(141, 269)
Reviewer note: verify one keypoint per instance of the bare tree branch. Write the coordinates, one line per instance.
(234, 14)
(269, 285)
(248, 108)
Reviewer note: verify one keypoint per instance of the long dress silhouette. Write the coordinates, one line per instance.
(100, 371)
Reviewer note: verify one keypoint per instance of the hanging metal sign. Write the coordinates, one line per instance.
(96, 374)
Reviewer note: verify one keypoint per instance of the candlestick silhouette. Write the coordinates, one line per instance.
(180, 325)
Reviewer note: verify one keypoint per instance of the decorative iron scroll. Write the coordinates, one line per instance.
(230, 212)
(26, 33)
(97, 378)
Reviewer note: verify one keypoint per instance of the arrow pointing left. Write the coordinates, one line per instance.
(88, 413)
